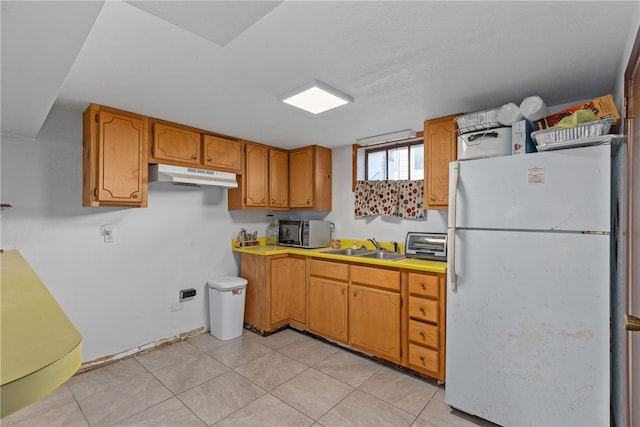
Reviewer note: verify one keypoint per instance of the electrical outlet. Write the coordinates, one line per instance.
(187, 294)
(107, 231)
(176, 307)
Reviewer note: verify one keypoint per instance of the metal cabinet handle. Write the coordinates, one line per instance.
(355, 292)
(135, 195)
(421, 310)
(194, 157)
(209, 160)
(342, 291)
(422, 285)
(454, 176)
(422, 333)
(433, 199)
(422, 358)
(95, 192)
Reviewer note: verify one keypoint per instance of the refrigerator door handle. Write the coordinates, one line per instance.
(451, 257)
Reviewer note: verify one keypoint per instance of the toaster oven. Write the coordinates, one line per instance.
(431, 246)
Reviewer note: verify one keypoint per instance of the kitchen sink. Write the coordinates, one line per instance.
(388, 256)
(366, 253)
(349, 252)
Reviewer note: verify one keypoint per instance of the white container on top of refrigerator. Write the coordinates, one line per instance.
(528, 288)
(485, 143)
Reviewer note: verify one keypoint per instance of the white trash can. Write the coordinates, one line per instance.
(226, 306)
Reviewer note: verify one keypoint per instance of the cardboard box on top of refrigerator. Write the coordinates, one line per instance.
(521, 141)
(603, 107)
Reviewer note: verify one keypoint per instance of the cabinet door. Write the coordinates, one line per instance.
(374, 321)
(254, 269)
(174, 144)
(288, 296)
(440, 148)
(256, 176)
(221, 153)
(298, 290)
(278, 179)
(328, 308)
(115, 162)
(301, 182)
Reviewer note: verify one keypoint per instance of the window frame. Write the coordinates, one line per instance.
(386, 148)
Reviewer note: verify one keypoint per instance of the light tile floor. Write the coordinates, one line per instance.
(285, 379)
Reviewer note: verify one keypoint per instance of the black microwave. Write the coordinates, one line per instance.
(304, 233)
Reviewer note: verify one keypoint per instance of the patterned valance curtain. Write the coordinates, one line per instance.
(391, 198)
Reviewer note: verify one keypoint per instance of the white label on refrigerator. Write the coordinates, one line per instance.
(535, 176)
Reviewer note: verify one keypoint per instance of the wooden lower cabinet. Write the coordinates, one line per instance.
(374, 321)
(276, 291)
(374, 311)
(328, 308)
(329, 300)
(395, 314)
(288, 296)
(426, 325)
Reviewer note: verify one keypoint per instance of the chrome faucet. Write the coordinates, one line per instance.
(395, 246)
(375, 243)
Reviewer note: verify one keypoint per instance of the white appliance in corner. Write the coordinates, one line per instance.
(528, 288)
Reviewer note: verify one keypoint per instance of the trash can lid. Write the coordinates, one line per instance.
(227, 282)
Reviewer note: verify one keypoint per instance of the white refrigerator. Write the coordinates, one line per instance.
(528, 288)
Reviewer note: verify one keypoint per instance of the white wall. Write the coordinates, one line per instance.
(117, 294)
(380, 227)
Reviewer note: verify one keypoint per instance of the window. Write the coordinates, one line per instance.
(396, 162)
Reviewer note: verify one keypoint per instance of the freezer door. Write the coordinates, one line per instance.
(554, 190)
(528, 328)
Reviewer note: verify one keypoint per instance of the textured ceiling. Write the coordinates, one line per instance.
(221, 66)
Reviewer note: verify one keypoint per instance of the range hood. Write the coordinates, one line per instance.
(180, 175)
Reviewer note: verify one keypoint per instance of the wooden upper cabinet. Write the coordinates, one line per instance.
(222, 154)
(440, 148)
(253, 182)
(278, 179)
(256, 176)
(310, 178)
(271, 177)
(174, 144)
(115, 158)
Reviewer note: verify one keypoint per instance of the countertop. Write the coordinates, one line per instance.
(405, 263)
(40, 347)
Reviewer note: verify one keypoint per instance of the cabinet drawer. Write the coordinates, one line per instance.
(423, 358)
(423, 309)
(331, 270)
(425, 285)
(378, 277)
(423, 333)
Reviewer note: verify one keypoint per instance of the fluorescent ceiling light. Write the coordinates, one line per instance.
(387, 137)
(316, 97)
